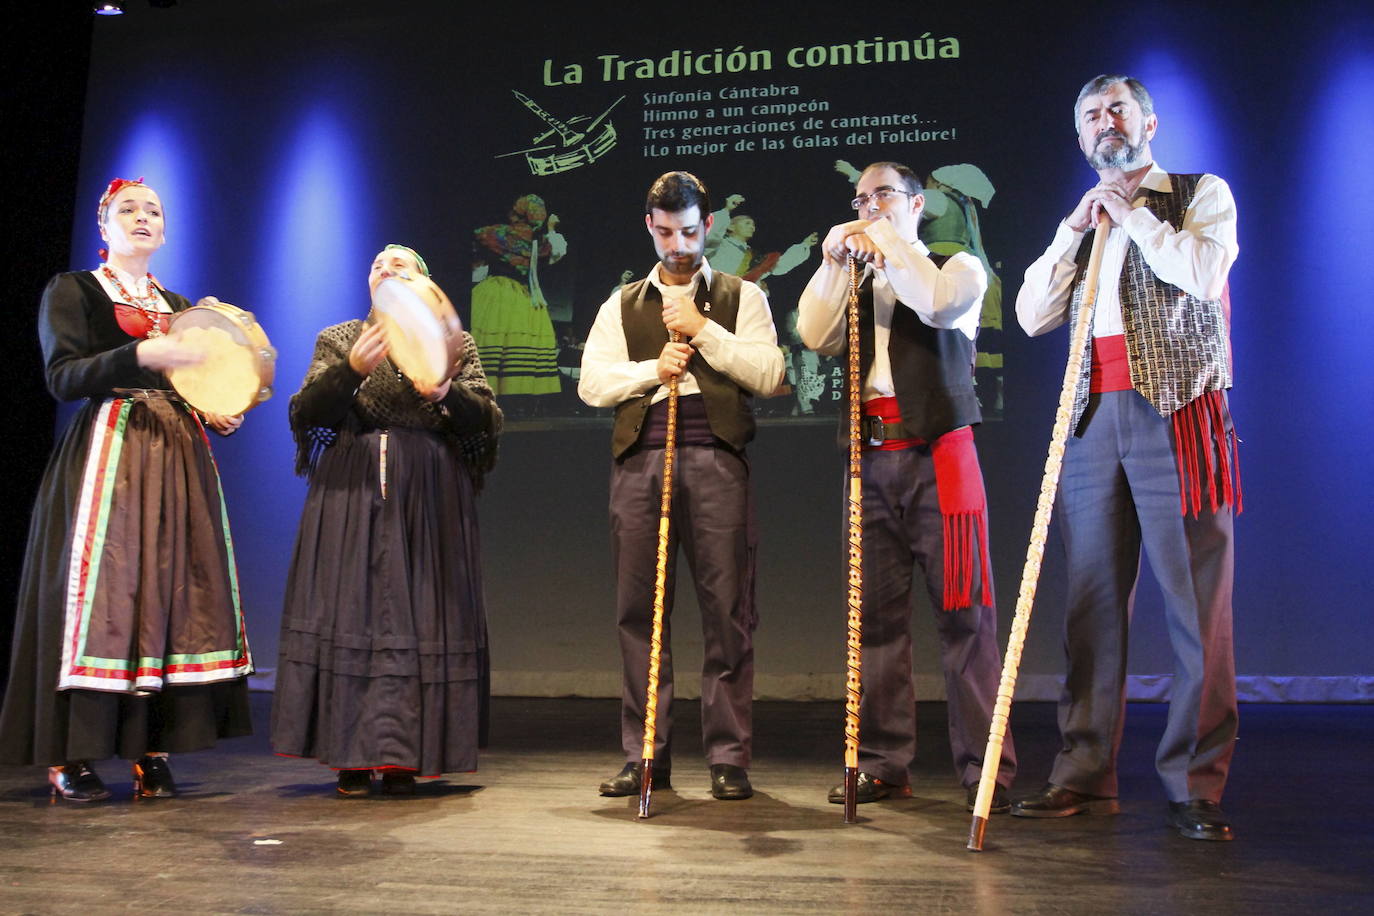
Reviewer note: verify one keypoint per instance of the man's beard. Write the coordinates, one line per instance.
(670, 264)
(1120, 157)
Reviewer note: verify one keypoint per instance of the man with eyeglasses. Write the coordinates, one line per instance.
(923, 497)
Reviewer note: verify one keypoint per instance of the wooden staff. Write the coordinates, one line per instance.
(665, 514)
(1035, 552)
(855, 502)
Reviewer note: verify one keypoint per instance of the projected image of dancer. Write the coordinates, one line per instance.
(510, 315)
(728, 246)
(957, 227)
(923, 499)
(1152, 434)
(728, 352)
(129, 640)
(384, 636)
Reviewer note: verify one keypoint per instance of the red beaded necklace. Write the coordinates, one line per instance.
(147, 305)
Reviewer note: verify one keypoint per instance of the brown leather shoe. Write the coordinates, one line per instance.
(1057, 801)
(1200, 819)
(870, 789)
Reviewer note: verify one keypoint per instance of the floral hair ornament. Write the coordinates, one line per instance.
(419, 261)
(114, 187)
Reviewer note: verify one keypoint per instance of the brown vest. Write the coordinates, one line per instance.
(1178, 345)
(728, 406)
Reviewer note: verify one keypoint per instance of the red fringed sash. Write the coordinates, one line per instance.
(964, 508)
(963, 505)
(1198, 426)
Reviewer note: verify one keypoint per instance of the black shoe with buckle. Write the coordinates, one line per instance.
(153, 778)
(1200, 819)
(870, 789)
(76, 782)
(355, 783)
(1001, 804)
(729, 782)
(627, 781)
(1057, 801)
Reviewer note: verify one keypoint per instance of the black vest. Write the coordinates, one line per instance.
(728, 406)
(932, 368)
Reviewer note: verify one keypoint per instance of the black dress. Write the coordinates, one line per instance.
(134, 641)
(384, 639)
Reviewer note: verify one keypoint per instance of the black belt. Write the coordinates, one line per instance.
(875, 432)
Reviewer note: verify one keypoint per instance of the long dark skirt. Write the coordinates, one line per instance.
(159, 628)
(384, 639)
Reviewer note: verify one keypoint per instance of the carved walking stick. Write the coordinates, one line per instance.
(1035, 552)
(665, 513)
(855, 504)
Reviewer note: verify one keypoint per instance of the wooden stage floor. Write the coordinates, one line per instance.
(253, 833)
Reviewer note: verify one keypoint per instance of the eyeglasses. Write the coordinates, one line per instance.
(880, 195)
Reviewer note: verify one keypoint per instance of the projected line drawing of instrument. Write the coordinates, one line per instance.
(566, 145)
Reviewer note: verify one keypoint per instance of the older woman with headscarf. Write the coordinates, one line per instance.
(129, 639)
(510, 316)
(383, 662)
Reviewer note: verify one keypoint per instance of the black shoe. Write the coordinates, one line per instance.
(355, 783)
(153, 778)
(1000, 803)
(398, 782)
(76, 782)
(870, 789)
(626, 782)
(729, 782)
(1200, 819)
(1057, 801)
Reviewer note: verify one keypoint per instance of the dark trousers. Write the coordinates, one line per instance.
(902, 530)
(712, 521)
(1119, 491)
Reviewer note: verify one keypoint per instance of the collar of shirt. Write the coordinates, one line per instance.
(1156, 179)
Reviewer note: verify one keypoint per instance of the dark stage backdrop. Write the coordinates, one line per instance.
(290, 141)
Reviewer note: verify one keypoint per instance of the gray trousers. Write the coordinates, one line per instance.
(712, 520)
(903, 529)
(1119, 490)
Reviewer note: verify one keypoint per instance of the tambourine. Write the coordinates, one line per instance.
(424, 337)
(239, 363)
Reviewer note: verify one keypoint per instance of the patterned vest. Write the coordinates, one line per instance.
(728, 406)
(1176, 344)
(932, 368)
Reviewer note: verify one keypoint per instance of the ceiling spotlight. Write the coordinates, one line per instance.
(108, 8)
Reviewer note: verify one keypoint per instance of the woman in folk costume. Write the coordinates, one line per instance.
(510, 316)
(384, 638)
(129, 640)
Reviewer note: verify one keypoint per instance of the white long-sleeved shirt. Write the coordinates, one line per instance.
(947, 297)
(1196, 257)
(749, 356)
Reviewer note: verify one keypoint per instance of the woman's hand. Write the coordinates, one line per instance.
(163, 353)
(368, 350)
(221, 424)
